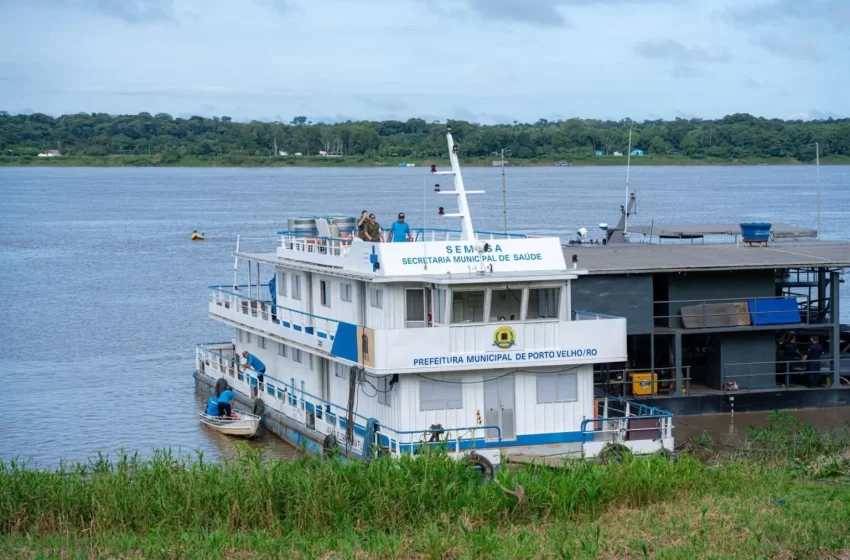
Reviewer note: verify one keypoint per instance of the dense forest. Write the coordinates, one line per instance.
(167, 140)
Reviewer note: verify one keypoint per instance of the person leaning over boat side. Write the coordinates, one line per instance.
(399, 231)
(224, 400)
(253, 362)
(373, 230)
(361, 225)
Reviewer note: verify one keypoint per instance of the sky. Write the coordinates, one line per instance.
(487, 61)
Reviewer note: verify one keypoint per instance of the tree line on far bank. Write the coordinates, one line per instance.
(168, 139)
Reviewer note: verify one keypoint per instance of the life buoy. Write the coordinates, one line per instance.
(482, 464)
(220, 386)
(259, 407)
(330, 445)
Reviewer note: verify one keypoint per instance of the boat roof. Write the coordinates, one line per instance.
(687, 231)
(457, 278)
(629, 258)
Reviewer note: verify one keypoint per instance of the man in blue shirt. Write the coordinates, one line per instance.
(253, 362)
(400, 231)
(224, 400)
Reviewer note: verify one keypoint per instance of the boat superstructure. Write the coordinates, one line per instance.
(460, 338)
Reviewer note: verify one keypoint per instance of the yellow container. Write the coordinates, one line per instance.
(644, 383)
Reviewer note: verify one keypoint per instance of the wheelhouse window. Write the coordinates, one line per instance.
(505, 304)
(324, 293)
(281, 284)
(544, 303)
(414, 308)
(440, 298)
(296, 286)
(561, 387)
(376, 298)
(468, 307)
(345, 292)
(440, 395)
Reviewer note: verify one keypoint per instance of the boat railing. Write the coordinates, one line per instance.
(440, 234)
(326, 417)
(659, 381)
(700, 314)
(582, 315)
(320, 245)
(622, 421)
(274, 315)
(755, 376)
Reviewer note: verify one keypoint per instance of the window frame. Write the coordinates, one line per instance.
(324, 293)
(485, 310)
(556, 398)
(527, 307)
(451, 404)
(296, 355)
(261, 342)
(345, 292)
(281, 349)
(282, 290)
(513, 291)
(376, 297)
(296, 287)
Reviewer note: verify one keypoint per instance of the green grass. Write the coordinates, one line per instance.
(785, 494)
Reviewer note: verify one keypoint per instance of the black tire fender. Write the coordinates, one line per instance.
(330, 445)
(613, 452)
(220, 386)
(258, 407)
(481, 463)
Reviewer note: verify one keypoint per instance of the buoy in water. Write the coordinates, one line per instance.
(197, 236)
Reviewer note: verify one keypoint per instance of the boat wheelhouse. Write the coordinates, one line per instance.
(460, 338)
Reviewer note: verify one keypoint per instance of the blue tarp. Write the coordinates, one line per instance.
(778, 311)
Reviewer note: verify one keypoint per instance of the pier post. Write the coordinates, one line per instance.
(677, 351)
(835, 337)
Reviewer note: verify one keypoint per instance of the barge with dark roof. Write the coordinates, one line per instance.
(707, 322)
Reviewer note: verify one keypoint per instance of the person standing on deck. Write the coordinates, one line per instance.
(224, 400)
(253, 362)
(273, 292)
(373, 230)
(790, 354)
(812, 358)
(333, 228)
(361, 225)
(399, 231)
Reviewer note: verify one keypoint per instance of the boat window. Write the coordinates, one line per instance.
(562, 387)
(544, 303)
(505, 305)
(281, 349)
(414, 308)
(261, 342)
(239, 335)
(440, 395)
(296, 286)
(296, 355)
(310, 360)
(345, 292)
(341, 370)
(324, 293)
(281, 284)
(440, 297)
(247, 337)
(468, 307)
(376, 297)
(384, 389)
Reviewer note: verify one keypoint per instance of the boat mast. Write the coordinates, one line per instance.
(468, 233)
(628, 168)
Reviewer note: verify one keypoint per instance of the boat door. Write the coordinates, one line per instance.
(499, 407)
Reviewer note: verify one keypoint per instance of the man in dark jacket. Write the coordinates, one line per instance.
(812, 358)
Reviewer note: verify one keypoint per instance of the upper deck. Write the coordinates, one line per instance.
(432, 252)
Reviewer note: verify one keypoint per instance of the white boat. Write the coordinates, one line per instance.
(241, 424)
(460, 338)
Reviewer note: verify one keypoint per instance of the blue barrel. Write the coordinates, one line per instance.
(755, 231)
(212, 407)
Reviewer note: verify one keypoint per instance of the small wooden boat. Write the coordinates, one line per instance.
(241, 424)
(197, 236)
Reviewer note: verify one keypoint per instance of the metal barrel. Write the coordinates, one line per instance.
(304, 227)
(346, 224)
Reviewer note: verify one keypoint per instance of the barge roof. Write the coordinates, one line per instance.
(631, 258)
(687, 231)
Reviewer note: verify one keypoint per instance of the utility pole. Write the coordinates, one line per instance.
(817, 174)
(504, 196)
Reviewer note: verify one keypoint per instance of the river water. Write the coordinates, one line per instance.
(104, 297)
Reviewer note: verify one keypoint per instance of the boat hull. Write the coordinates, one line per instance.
(246, 425)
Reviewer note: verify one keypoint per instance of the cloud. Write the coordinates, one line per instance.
(799, 47)
(279, 6)
(130, 11)
(391, 104)
(833, 13)
(687, 61)
(679, 53)
(190, 91)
